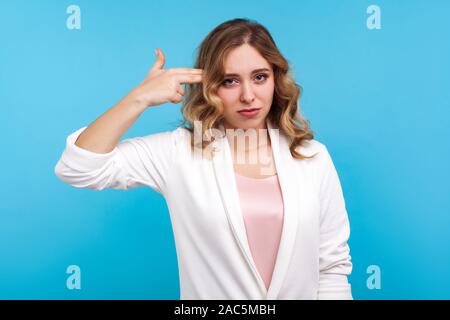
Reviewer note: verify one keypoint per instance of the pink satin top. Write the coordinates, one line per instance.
(263, 211)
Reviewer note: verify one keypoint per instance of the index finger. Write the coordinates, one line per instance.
(187, 70)
(192, 78)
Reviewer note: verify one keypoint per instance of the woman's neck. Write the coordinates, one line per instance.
(243, 140)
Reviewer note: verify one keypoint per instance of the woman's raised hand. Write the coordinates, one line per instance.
(162, 86)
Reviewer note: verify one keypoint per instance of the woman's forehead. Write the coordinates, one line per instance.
(245, 55)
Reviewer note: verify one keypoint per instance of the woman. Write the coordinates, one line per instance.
(258, 220)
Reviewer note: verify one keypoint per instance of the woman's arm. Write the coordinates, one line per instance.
(159, 86)
(102, 135)
(335, 260)
(95, 159)
(132, 163)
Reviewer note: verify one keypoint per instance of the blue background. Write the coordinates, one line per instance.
(379, 100)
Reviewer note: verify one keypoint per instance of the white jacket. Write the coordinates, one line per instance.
(214, 257)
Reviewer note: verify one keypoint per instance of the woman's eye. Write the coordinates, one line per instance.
(225, 81)
(262, 75)
(257, 77)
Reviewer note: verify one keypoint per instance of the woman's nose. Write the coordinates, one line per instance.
(247, 94)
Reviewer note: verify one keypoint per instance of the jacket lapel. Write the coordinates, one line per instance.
(289, 183)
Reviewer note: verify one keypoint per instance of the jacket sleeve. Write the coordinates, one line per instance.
(134, 162)
(334, 253)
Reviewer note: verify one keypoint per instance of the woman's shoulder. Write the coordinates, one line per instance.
(311, 147)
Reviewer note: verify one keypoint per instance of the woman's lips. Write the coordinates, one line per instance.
(249, 112)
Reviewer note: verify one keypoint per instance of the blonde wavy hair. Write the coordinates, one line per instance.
(201, 102)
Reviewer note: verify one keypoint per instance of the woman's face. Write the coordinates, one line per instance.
(248, 83)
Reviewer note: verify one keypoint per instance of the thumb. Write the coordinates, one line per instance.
(160, 60)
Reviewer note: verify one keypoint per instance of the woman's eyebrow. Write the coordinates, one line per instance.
(253, 72)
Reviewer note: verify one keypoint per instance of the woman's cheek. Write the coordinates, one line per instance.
(228, 102)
